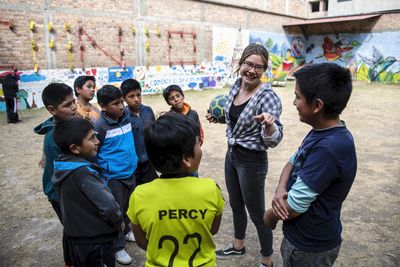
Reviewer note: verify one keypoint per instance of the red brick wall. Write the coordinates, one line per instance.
(102, 19)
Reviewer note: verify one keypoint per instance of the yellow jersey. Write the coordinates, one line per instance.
(177, 214)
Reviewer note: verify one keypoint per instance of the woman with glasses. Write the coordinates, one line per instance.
(252, 117)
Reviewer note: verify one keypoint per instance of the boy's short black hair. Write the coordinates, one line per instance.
(326, 81)
(71, 131)
(130, 85)
(169, 89)
(108, 93)
(170, 139)
(55, 93)
(80, 82)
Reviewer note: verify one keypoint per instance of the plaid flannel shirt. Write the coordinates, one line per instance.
(248, 132)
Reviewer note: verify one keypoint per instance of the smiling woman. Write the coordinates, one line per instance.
(252, 116)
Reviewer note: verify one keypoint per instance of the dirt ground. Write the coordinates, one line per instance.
(30, 233)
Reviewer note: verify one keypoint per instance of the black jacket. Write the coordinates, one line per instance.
(88, 207)
(10, 85)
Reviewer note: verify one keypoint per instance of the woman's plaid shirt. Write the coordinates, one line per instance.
(248, 132)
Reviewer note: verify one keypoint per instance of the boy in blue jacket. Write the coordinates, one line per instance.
(91, 216)
(59, 101)
(116, 156)
(140, 117)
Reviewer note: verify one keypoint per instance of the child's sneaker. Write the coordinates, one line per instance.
(130, 237)
(122, 257)
(229, 251)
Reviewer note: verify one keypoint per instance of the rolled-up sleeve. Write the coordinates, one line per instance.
(300, 196)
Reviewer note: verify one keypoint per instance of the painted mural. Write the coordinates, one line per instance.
(152, 79)
(372, 57)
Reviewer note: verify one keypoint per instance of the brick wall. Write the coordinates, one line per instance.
(102, 19)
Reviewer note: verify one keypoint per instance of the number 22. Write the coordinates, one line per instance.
(176, 246)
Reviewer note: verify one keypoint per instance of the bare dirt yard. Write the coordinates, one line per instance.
(30, 233)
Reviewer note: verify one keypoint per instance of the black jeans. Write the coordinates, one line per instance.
(68, 250)
(94, 255)
(245, 172)
(11, 106)
(122, 190)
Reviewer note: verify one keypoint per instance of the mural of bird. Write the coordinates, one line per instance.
(377, 63)
(333, 51)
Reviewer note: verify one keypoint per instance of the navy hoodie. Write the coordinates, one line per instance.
(89, 210)
(51, 152)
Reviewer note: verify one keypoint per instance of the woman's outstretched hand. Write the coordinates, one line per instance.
(265, 119)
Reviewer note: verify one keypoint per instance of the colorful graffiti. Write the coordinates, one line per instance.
(286, 52)
(372, 57)
(153, 79)
(378, 68)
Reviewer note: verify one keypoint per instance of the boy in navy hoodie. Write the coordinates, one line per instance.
(116, 156)
(91, 216)
(59, 101)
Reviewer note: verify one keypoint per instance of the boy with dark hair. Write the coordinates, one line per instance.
(318, 177)
(174, 97)
(116, 156)
(140, 117)
(85, 88)
(59, 101)
(92, 218)
(174, 217)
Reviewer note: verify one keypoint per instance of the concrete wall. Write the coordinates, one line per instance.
(354, 7)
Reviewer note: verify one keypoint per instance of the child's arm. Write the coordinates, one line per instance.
(279, 201)
(289, 205)
(42, 161)
(270, 219)
(295, 202)
(220, 206)
(291, 214)
(201, 133)
(215, 224)
(101, 196)
(140, 236)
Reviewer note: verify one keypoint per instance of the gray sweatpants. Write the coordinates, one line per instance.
(293, 257)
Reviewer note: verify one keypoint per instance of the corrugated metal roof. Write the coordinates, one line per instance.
(332, 19)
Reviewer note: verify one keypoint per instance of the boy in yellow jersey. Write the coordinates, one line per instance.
(175, 216)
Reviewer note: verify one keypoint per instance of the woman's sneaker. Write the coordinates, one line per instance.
(229, 251)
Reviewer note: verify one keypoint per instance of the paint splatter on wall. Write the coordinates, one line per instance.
(153, 79)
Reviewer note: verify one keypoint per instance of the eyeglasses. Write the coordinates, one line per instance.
(249, 65)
